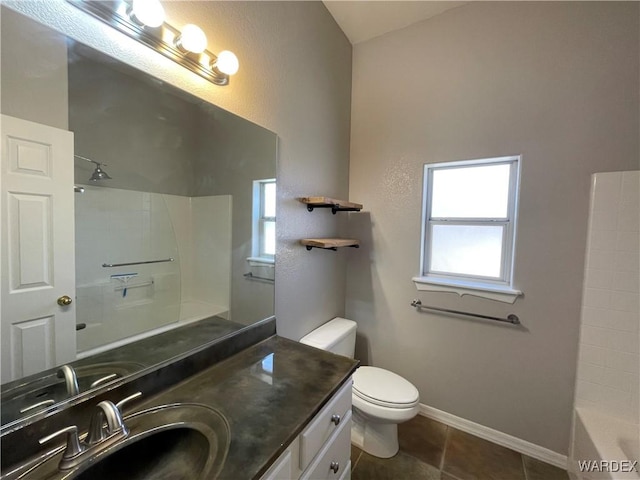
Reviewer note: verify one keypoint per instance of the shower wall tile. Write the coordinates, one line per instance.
(594, 317)
(627, 262)
(595, 297)
(608, 360)
(594, 336)
(119, 226)
(625, 302)
(627, 241)
(622, 341)
(601, 259)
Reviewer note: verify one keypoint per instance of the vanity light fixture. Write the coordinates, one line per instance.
(226, 63)
(144, 21)
(191, 39)
(149, 13)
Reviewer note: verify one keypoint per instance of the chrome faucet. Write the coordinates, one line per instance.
(99, 437)
(106, 410)
(71, 384)
(70, 379)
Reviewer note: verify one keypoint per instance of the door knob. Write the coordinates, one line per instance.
(64, 300)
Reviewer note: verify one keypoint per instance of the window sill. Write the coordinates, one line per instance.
(477, 289)
(261, 262)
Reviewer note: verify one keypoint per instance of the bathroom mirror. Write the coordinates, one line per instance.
(167, 203)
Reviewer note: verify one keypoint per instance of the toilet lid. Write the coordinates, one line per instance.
(385, 388)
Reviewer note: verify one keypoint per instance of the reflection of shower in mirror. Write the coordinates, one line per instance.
(98, 173)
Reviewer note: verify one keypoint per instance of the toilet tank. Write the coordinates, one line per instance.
(336, 336)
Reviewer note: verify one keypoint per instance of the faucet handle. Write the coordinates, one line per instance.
(73, 442)
(104, 379)
(122, 402)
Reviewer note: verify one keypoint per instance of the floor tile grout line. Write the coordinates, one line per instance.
(353, 467)
(449, 442)
(444, 449)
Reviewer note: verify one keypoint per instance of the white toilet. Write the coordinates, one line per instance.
(381, 399)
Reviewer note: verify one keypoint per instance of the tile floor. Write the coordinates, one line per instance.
(430, 450)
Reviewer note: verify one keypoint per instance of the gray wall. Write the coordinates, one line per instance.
(243, 153)
(294, 79)
(146, 136)
(34, 72)
(555, 82)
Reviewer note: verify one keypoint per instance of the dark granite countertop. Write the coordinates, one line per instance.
(268, 393)
(130, 358)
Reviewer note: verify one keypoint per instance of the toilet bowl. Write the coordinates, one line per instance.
(381, 399)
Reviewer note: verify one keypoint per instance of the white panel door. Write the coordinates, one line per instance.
(37, 259)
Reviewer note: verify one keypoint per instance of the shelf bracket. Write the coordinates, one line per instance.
(334, 208)
(335, 249)
(335, 205)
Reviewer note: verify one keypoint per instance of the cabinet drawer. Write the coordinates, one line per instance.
(334, 458)
(324, 424)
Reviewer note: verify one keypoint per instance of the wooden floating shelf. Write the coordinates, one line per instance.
(332, 203)
(329, 243)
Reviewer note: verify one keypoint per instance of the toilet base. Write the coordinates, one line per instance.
(377, 439)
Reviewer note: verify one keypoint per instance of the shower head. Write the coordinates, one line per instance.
(98, 173)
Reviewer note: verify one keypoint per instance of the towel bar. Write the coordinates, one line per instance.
(511, 318)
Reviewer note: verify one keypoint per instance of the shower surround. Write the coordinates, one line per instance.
(607, 400)
(123, 226)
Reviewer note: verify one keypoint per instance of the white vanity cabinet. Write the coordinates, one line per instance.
(323, 449)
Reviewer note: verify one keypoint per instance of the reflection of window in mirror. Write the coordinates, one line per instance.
(264, 221)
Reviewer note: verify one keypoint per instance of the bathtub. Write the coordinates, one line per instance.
(190, 311)
(597, 437)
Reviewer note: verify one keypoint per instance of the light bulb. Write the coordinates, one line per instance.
(192, 39)
(227, 62)
(148, 12)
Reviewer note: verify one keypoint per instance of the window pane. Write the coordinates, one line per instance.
(471, 192)
(467, 249)
(269, 199)
(269, 239)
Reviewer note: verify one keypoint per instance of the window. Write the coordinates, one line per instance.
(264, 221)
(468, 231)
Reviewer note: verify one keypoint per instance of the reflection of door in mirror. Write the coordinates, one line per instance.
(38, 278)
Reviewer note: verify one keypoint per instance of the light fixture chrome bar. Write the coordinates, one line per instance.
(161, 39)
(511, 318)
(111, 265)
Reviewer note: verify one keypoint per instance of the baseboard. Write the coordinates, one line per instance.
(494, 436)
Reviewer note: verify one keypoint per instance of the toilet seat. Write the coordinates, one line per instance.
(384, 388)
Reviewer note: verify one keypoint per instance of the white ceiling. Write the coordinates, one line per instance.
(363, 19)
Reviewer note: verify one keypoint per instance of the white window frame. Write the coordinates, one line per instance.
(258, 220)
(496, 288)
